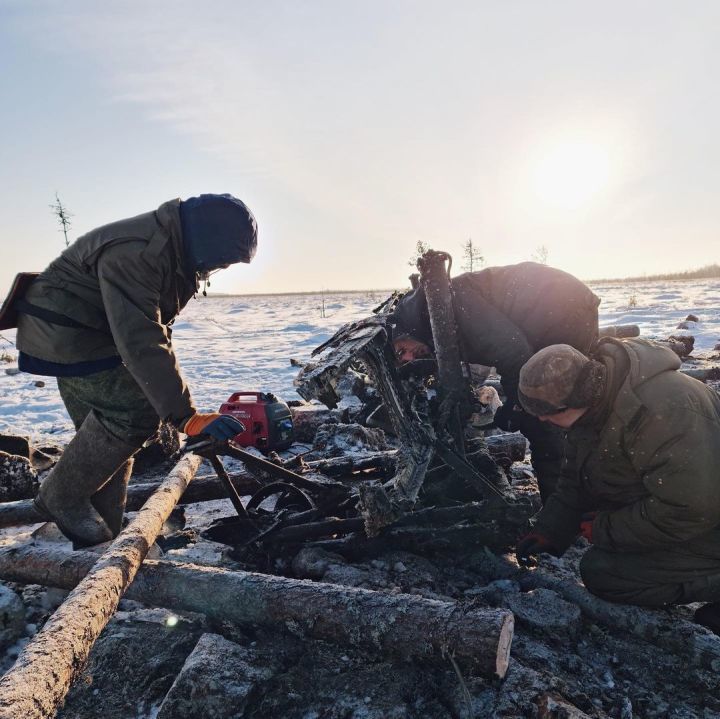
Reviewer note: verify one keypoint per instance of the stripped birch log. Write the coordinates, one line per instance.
(397, 624)
(36, 685)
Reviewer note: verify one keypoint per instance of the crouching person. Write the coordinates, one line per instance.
(504, 315)
(98, 318)
(641, 480)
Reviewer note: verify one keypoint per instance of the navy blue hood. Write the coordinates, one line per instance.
(217, 230)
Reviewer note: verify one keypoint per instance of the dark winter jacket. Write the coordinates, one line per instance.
(124, 283)
(506, 314)
(647, 457)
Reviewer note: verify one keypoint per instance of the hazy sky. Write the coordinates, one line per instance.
(355, 129)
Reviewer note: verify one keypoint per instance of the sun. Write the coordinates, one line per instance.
(571, 173)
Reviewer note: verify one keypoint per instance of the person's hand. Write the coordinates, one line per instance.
(586, 525)
(531, 545)
(219, 426)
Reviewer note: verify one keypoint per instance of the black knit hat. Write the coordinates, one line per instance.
(559, 377)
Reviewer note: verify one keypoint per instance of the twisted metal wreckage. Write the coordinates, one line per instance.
(428, 422)
(352, 506)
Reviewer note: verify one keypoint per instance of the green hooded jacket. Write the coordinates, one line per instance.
(647, 459)
(124, 283)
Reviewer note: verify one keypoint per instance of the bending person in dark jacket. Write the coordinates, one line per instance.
(641, 479)
(504, 315)
(98, 318)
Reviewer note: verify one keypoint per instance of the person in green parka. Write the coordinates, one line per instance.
(641, 478)
(99, 318)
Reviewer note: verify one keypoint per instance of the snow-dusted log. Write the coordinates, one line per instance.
(37, 684)
(398, 624)
(22, 511)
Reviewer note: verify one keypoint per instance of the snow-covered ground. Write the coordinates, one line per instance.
(226, 344)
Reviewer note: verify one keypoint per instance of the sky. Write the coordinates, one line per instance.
(354, 130)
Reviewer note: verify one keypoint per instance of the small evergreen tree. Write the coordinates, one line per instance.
(63, 217)
(472, 256)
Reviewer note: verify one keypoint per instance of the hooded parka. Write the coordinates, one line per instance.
(123, 284)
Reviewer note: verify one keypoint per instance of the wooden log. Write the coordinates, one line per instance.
(711, 374)
(13, 514)
(347, 464)
(397, 624)
(619, 331)
(307, 419)
(39, 680)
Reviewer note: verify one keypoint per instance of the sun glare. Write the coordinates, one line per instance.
(570, 174)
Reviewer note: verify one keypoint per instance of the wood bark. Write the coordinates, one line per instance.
(13, 514)
(398, 624)
(39, 680)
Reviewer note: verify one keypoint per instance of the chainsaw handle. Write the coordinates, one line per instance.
(235, 396)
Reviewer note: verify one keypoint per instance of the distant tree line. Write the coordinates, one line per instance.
(702, 273)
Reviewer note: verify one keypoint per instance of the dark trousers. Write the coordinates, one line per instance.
(678, 574)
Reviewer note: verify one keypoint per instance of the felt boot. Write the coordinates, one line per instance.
(110, 500)
(91, 458)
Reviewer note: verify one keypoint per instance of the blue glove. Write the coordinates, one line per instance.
(219, 426)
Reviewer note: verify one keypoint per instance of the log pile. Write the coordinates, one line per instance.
(46, 668)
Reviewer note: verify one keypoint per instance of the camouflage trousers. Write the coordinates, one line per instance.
(679, 574)
(119, 403)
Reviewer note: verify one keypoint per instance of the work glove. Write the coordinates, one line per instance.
(219, 426)
(532, 544)
(586, 524)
